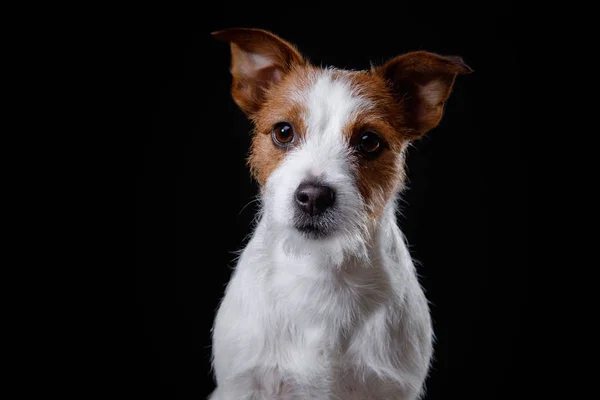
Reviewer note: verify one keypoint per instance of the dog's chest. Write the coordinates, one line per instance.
(317, 310)
(297, 325)
(321, 322)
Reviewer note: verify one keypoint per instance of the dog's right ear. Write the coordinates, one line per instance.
(259, 59)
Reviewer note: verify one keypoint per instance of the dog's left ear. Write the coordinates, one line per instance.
(422, 81)
(259, 59)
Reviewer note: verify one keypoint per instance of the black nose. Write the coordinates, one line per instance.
(314, 198)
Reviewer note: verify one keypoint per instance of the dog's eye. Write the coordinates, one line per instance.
(283, 134)
(369, 143)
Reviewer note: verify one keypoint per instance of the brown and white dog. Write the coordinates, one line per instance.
(325, 302)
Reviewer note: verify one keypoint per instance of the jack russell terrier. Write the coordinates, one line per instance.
(325, 302)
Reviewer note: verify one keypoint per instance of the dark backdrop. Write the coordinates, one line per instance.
(464, 214)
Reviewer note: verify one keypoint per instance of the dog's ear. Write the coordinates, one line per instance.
(422, 81)
(259, 59)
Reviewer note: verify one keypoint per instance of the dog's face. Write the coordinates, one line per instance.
(328, 147)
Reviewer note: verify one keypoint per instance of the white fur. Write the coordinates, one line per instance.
(339, 318)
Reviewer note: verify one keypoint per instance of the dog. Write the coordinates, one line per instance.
(325, 302)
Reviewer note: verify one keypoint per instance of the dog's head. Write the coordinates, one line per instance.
(328, 147)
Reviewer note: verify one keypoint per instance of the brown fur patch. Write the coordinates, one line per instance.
(280, 106)
(378, 178)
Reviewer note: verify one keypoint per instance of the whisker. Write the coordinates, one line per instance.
(255, 200)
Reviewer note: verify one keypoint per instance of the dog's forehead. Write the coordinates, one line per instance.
(323, 100)
(332, 101)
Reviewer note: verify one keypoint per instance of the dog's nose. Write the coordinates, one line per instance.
(314, 198)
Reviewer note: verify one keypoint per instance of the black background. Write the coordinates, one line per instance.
(464, 214)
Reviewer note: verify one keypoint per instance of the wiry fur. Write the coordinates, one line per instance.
(341, 317)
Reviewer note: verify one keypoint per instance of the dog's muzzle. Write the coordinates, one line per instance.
(314, 203)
